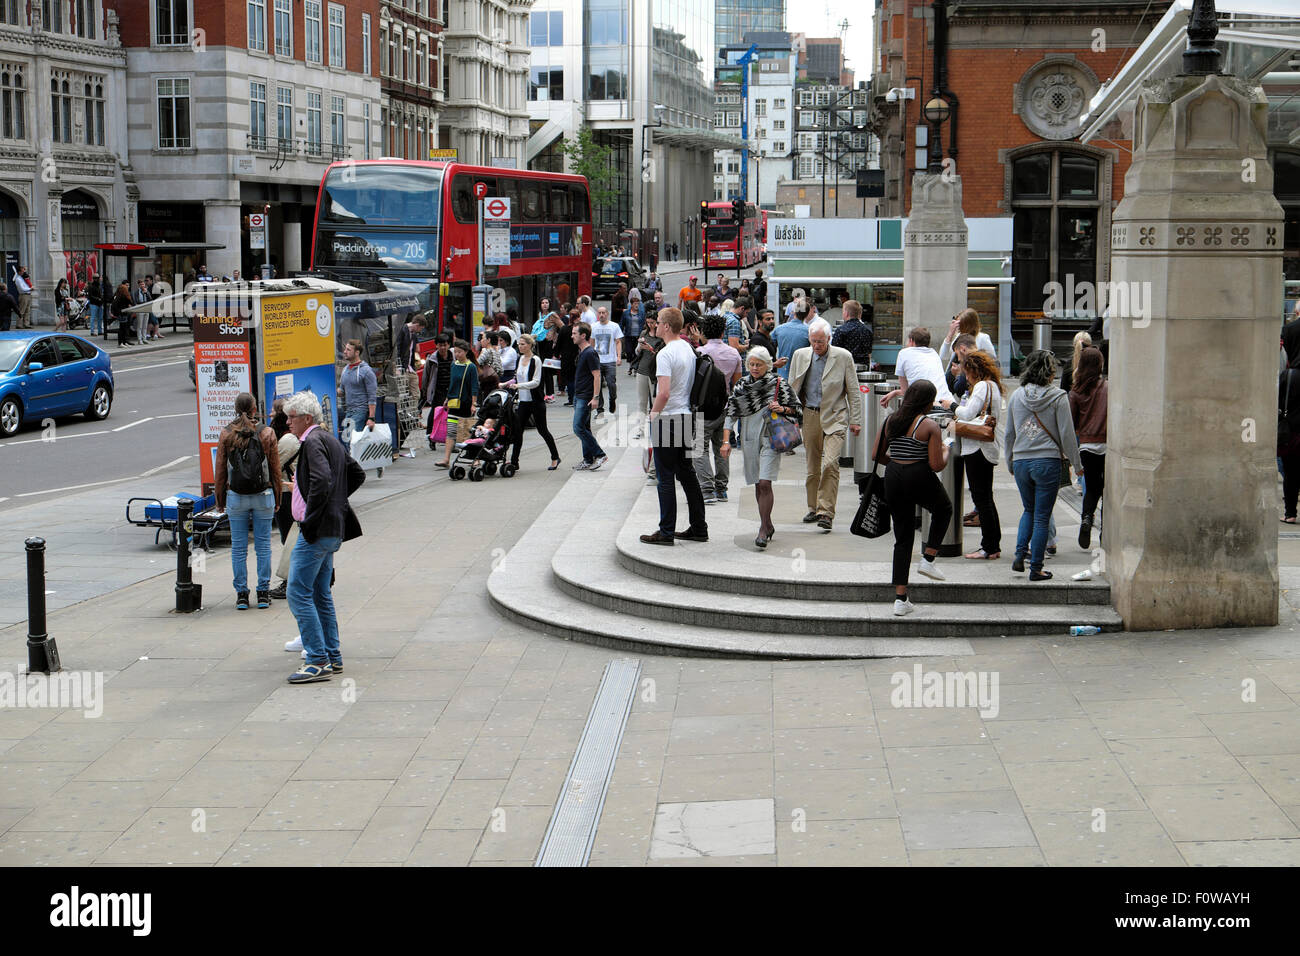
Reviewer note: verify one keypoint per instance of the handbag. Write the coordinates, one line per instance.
(977, 431)
(872, 518)
(783, 434)
(438, 426)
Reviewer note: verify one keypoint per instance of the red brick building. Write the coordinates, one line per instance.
(1018, 75)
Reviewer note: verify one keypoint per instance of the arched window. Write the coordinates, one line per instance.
(9, 225)
(1056, 205)
(80, 213)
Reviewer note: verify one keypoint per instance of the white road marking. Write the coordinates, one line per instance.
(141, 368)
(29, 441)
(111, 481)
(123, 428)
(177, 415)
(154, 471)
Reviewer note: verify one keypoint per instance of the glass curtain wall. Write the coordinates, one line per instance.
(605, 27)
(682, 61)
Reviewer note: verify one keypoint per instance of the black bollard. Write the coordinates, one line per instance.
(189, 596)
(42, 652)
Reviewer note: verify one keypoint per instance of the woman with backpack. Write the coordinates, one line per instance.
(248, 480)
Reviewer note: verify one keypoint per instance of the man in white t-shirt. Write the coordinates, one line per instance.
(588, 313)
(605, 338)
(916, 362)
(672, 435)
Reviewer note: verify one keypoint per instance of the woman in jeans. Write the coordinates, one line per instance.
(1088, 398)
(979, 458)
(915, 448)
(1039, 433)
(531, 405)
(248, 507)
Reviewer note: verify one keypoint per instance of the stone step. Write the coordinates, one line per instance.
(595, 578)
(565, 579)
(730, 563)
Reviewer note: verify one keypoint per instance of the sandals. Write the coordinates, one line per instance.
(982, 555)
(440, 464)
(1288, 520)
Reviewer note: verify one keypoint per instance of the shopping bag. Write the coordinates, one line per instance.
(438, 428)
(372, 448)
(783, 434)
(872, 519)
(286, 553)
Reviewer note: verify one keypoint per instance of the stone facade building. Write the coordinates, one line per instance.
(485, 117)
(412, 72)
(64, 182)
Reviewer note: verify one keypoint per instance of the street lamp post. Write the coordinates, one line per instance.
(646, 175)
(936, 111)
(1202, 57)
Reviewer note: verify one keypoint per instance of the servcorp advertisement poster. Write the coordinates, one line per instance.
(221, 371)
(297, 349)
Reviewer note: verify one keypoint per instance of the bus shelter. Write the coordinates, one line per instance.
(863, 259)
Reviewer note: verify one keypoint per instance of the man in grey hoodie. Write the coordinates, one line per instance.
(1040, 432)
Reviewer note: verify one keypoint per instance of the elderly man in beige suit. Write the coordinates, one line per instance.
(825, 380)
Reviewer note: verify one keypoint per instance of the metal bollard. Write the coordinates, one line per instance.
(42, 652)
(189, 596)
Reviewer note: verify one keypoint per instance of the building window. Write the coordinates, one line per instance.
(13, 102)
(336, 36)
(422, 61)
(805, 98)
(171, 21)
(778, 104)
(94, 106)
(256, 114)
(365, 127)
(760, 107)
(365, 43)
(546, 28)
(778, 147)
(778, 124)
(284, 114)
(174, 114)
(313, 123)
(546, 83)
(1055, 206)
(383, 52)
(61, 108)
(52, 14)
(83, 14)
(257, 25)
(284, 27)
(605, 29)
(10, 12)
(410, 60)
(806, 118)
(338, 131)
(392, 54)
(433, 65)
(311, 30)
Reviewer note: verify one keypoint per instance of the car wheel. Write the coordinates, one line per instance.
(11, 416)
(101, 401)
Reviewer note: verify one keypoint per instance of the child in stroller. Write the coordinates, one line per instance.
(485, 453)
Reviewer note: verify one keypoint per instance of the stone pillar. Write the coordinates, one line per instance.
(935, 266)
(221, 224)
(1196, 281)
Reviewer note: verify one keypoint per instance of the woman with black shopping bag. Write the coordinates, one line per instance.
(915, 448)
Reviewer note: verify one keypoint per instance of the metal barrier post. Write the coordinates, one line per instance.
(189, 596)
(42, 652)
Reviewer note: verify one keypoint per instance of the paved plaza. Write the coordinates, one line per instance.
(450, 736)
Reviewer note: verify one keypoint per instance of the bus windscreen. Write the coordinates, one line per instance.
(386, 196)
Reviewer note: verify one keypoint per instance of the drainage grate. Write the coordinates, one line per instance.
(573, 824)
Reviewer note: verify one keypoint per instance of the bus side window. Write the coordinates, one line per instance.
(462, 199)
(559, 204)
(579, 210)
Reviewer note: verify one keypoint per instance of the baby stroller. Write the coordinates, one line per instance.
(484, 454)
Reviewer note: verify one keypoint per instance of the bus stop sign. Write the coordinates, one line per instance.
(480, 190)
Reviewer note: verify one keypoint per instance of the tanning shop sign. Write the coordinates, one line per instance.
(221, 371)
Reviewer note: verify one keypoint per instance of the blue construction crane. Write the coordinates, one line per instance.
(743, 63)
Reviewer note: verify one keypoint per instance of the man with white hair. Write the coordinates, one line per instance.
(823, 378)
(795, 299)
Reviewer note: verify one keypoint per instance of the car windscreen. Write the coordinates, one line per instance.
(614, 267)
(10, 352)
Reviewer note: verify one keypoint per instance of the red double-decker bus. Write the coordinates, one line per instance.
(728, 245)
(413, 225)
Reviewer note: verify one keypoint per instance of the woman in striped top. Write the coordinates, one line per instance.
(915, 447)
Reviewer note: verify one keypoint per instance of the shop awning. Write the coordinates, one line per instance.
(1260, 36)
(845, 271)
(374, 305)
(157, 247)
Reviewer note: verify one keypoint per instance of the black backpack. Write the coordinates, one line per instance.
(709, 390)
(248, 469)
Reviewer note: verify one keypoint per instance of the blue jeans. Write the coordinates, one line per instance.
(356, 417)
(311, 600)
(245, 510)
(582, 428)
(96, 319)
(1039, 479)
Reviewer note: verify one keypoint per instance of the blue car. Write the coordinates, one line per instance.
(49, 374)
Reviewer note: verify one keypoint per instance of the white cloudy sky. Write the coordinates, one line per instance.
(809, 16)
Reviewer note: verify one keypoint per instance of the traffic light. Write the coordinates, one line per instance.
(738, 211)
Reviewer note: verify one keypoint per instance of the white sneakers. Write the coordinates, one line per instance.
(927, 567)
(903, 606)
(294, 645)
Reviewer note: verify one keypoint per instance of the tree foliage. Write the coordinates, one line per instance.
(588, 158)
